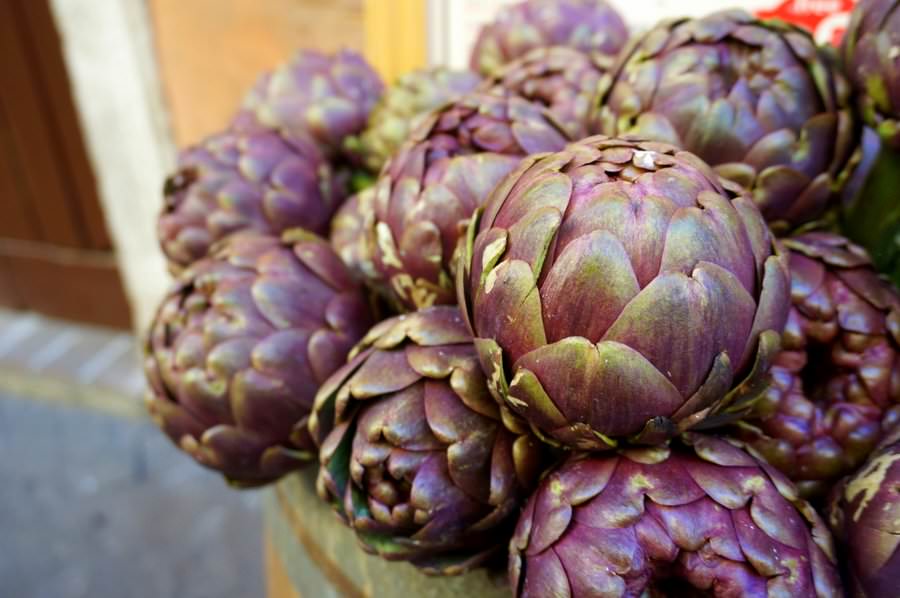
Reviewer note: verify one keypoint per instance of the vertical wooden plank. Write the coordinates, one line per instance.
(395, 36)
(74, 166)
(17, 218)
(26, 110)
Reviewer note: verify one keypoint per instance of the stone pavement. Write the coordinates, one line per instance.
(100, 506)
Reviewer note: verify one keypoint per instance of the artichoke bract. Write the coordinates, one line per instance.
(350, 236)
(560, 78)
(414, 454)
(836, 385)
(403, 104)
(864, 514)
(756, 99)
(591, 26)
(245, 180)
(872, 63)
(615, 292)
(326, 97)
(240, 346)
(429, 189)
(699, 518)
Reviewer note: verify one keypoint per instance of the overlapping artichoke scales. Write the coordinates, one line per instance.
(703, 515)
(414, 454)
(590, 26)
(756, 99)
(241, 344)
(871, 49)
(429, 189)
(254, 180)
(612, 286)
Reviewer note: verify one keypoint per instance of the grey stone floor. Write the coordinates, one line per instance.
(94, 505)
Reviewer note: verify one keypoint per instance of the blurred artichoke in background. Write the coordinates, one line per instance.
(240, 346)
(700, 518)
(591, 26)
(562, 79)
(864, 514)
(350, 234)
(324, 97)
(397, 113)
(429, 189)
(615, 292)
(756, 99)
(871, 51)
(837, 384)
(245, 180)
(414, 455)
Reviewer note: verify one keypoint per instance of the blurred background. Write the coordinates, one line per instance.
(97, 96)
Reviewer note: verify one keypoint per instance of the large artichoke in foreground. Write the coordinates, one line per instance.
(591, 26)
(324, 97)
(240, 346)
(560, 78)
(414, 454)
(703, 518)
(429, 189)
(837, 383)
(403, 104)
(872, 62)
(756, 99)
(865, 516)
(245, 180)
(615, 292)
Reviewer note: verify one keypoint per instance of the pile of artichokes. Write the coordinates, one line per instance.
(618, 310)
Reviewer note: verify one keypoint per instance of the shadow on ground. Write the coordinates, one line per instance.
(92, 505)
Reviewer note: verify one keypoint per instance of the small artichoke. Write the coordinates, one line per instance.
(325, 97)
(699, 518)
(871, 51)
(429, 189)
(615, 292)
(414, 455)
(590, 26)
(837, 383)
(562, 79)
(240, 346)
(244, 180)
(403, 104)
(864, 514)
(755, 99)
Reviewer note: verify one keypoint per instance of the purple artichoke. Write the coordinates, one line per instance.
(429, 189)
(703, 518)
(324, 97)
(838, 381)
(562, 79)
(865, 516)
(236, 181)
(590, 26)
(756, 99)
(240, 346)
(615, 293)
(872, 62)
(404, 103)
(414, 453)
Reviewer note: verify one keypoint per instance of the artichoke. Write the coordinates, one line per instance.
(615, 293)
(324, 97)
(409, 99)
(429, 189)
(349, 234)
(837, 383)
(240, 346)
(756, 99)
(560, 78)
(864, 514)
(702, 518)
(871, 51)
(414, 453)
(244, 180)
(591, 26)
